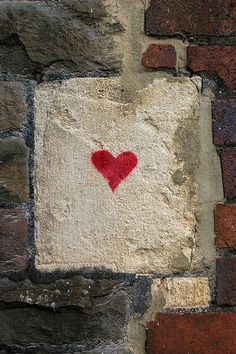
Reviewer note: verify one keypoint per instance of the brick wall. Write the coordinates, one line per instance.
(170, 289)
(208, 30)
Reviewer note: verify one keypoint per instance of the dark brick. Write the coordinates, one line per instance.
(13, 240)
(159, 56)
(200, 333)
(192, 17)
(225, 225)
(57, 37)
(224, 122)
(12, 105)
(226, 281)
(220, 59)
(228, 162)
(13, 170)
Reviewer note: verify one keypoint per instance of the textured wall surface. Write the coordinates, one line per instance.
(148, 223)
(117, 176)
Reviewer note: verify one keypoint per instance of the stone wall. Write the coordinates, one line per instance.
(117, 176)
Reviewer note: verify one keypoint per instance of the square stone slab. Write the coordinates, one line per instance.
(159, 218)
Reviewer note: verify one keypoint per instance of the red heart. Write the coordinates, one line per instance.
(114, 169)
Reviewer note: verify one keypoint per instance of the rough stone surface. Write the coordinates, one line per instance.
(27, 325)
(192, 333)
(226, 281)
(88, 348)
(159, 56)
(225, 225)
(13, 240)
(228, 162)
(75, 291)
(182, 292)
(13, 170)
(214, 58)
(63, 37)
(224, 122)
(195, 18)
(149, 222)
(12, 105)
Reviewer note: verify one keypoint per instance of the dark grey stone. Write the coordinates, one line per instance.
(52, 37)
(105, 321)
(76, 310)
(76, 291)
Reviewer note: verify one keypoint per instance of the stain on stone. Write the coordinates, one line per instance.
(178, 177)
(181, 262)
(187, 142)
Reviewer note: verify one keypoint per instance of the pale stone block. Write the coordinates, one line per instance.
(148, 224)
(182, 292)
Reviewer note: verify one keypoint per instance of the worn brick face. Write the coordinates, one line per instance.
(224, 122)
(13, 240)
(226, 281)
(228, 162)
(200, 333)
(225, 225)
(13, 170)
(197, 18)
(159, 55)
(220, 59)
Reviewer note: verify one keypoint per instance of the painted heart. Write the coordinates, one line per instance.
(114, 169)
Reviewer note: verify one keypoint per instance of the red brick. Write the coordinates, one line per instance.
(160, 56)
(225, 225)
(226, 281)
(191, 17)
(228, 163)
(220, 59)
(13, 240)
(200, 333)
(224, 122)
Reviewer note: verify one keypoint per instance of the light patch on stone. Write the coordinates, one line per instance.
(149, 224)
(182, 292)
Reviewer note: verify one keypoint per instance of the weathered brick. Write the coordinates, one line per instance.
(220, 59)
(228, 162)
(225, 225)
(13, 170)
(159, 55)
(200, 333)
(226, 281)
(224, 122)
(13, 240)
(12, 105)
(197, 18)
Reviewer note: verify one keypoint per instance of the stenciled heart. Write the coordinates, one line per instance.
(114, 169)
